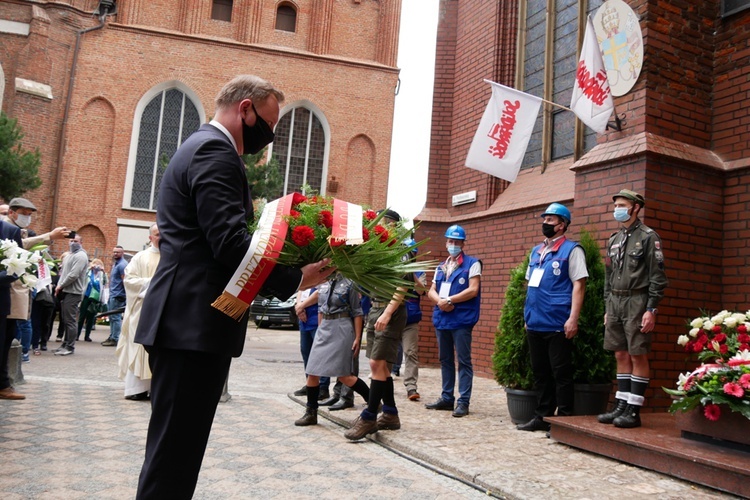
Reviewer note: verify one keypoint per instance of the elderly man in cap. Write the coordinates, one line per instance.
(634, 286)
(20, 211)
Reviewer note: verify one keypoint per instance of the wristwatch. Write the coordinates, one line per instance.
(652, 310)
(449, 301)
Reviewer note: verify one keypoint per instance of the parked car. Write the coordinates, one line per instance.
(267, 311)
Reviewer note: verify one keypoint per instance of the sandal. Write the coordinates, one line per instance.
(37, 352)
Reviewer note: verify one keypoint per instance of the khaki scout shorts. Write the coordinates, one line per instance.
(384, 344)
(623, 329)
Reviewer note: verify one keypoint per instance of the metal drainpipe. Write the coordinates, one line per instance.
(61, 148)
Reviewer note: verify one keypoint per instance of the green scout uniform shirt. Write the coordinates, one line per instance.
(640, 266)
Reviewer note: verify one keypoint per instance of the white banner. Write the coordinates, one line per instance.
(500, 142)
(592, 99)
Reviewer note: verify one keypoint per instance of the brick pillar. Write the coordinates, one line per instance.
(247, 21)
(388, 26)
(320, 27)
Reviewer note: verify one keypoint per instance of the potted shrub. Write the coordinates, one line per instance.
(594, 367)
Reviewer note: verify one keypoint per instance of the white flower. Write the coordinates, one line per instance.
(730, 322)
(681, 381)
(697, 322)
(715, 345)
(718, 319)
(741, 318)
(29, 280)
(742, 355)
(683, 340)
(694, 332)
(15, 265)
(708, 325)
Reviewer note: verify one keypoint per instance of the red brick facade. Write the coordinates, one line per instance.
(341, 61)
(685, 145)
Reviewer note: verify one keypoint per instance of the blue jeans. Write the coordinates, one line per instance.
(23, 334)
(115, 320)
(306, 338)
(460, 339)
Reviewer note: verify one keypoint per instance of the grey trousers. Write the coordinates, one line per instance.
(69, 307)
(410, 344)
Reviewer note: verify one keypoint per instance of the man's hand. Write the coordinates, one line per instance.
(648, 321)
(444, 306)
(301, 313)
(315, 274)
(355, 347)
(571, 328)
(383, 321)
(59, 233)
(57, 290)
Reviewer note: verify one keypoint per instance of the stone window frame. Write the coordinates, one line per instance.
(151, 94)
(542, 143)
(286, 17)
(285, 160)
(221, 10)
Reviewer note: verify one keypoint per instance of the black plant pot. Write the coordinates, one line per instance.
(521, 404)
(591, 399)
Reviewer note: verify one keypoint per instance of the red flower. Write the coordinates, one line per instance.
(698, 347)
(744, 347)
(302, 235)
(716, 329)
(298, 198)
(720, 338)
(743, 338)
(325, 217)
(370, 214)
(712, 412)
(745, 381)
(734, 390)
(365, 234)
(382, 232)
(294, 214)
(723, 349)
(742, 329)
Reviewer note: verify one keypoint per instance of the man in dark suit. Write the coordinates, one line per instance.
(204, 205)
(7, 326)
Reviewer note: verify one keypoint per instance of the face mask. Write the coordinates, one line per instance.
(548, 230)
(23, 220)
(454, 250)
(74, 247)
(621, 214)
(256, 137)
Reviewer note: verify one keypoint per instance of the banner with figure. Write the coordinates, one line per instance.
(592, 99)
(500, 142)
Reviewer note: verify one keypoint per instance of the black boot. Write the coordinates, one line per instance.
(630, 417)
(608, 418)
(309, 418)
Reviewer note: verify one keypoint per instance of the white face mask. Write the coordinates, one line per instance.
(23, 220)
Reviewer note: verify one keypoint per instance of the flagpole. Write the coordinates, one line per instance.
(543, 100)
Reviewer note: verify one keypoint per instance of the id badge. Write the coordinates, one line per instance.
(445, 290)
(536, 277)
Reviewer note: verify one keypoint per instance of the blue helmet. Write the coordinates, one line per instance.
(455, 232)
(558, 209)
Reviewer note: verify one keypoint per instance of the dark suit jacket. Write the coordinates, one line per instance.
(7, 232)
(202, 212)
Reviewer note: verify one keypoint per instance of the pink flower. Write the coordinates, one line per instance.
(712, 412)
(745, 381)
(734, 390)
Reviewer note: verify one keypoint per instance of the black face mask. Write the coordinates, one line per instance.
(256, 137)
(548, 230)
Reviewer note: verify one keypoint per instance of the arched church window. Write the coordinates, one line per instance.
(286, 18)
(299, 147)
(167, 120)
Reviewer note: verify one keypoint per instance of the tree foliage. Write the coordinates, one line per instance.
(19, 169)
(265, 179)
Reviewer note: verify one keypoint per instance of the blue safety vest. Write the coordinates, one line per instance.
(548, 305)
(464, 314)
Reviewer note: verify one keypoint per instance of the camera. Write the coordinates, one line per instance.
(71, 235)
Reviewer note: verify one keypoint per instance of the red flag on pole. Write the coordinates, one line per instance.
(592, 99)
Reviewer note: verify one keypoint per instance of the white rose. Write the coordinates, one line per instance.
(741, 318)
(730, 322)
(708, 325)
(717, 320)
(694, 332)
(683, 340)
(697, 322)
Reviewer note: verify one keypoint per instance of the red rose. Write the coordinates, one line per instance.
(743, 338)
(294, 214)
(720, 338)
(716, 329)
(723, 348)
(326, 218)
(302, 235)
(742, 329)
(298, 198)
(365, 234)
(744, 347)
(370, 214)
(698, 347)
(382, 232)
(712, 412)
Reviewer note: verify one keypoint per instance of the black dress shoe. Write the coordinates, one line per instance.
(141, 396)
(440, 404)
(301, 392)
(461, 410)
(341, 404)
(324, 394)
(329, 401)
(535, 424)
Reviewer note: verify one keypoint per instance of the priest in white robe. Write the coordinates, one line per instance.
(132, 358)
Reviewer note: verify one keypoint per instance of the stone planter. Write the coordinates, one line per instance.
(591, 399)
(732, 429)
(521, 405)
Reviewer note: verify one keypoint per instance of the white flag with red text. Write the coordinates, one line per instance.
(592, 99)
(504, 132)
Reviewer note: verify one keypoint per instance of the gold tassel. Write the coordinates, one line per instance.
(230, 305)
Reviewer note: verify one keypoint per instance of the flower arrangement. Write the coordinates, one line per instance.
(710, 385)
(22, 263)
(359, 243)
(717, 337)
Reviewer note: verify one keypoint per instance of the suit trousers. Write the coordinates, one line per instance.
(551, 361)
(185, 390)
(7, 334)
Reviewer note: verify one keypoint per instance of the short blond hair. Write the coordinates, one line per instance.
(97, 262)
(247, 87)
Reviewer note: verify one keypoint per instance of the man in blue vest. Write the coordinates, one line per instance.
(456, 293)
(556, 279)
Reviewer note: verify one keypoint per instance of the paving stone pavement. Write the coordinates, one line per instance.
(76, 437)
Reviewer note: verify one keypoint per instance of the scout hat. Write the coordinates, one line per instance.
(630, 195)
